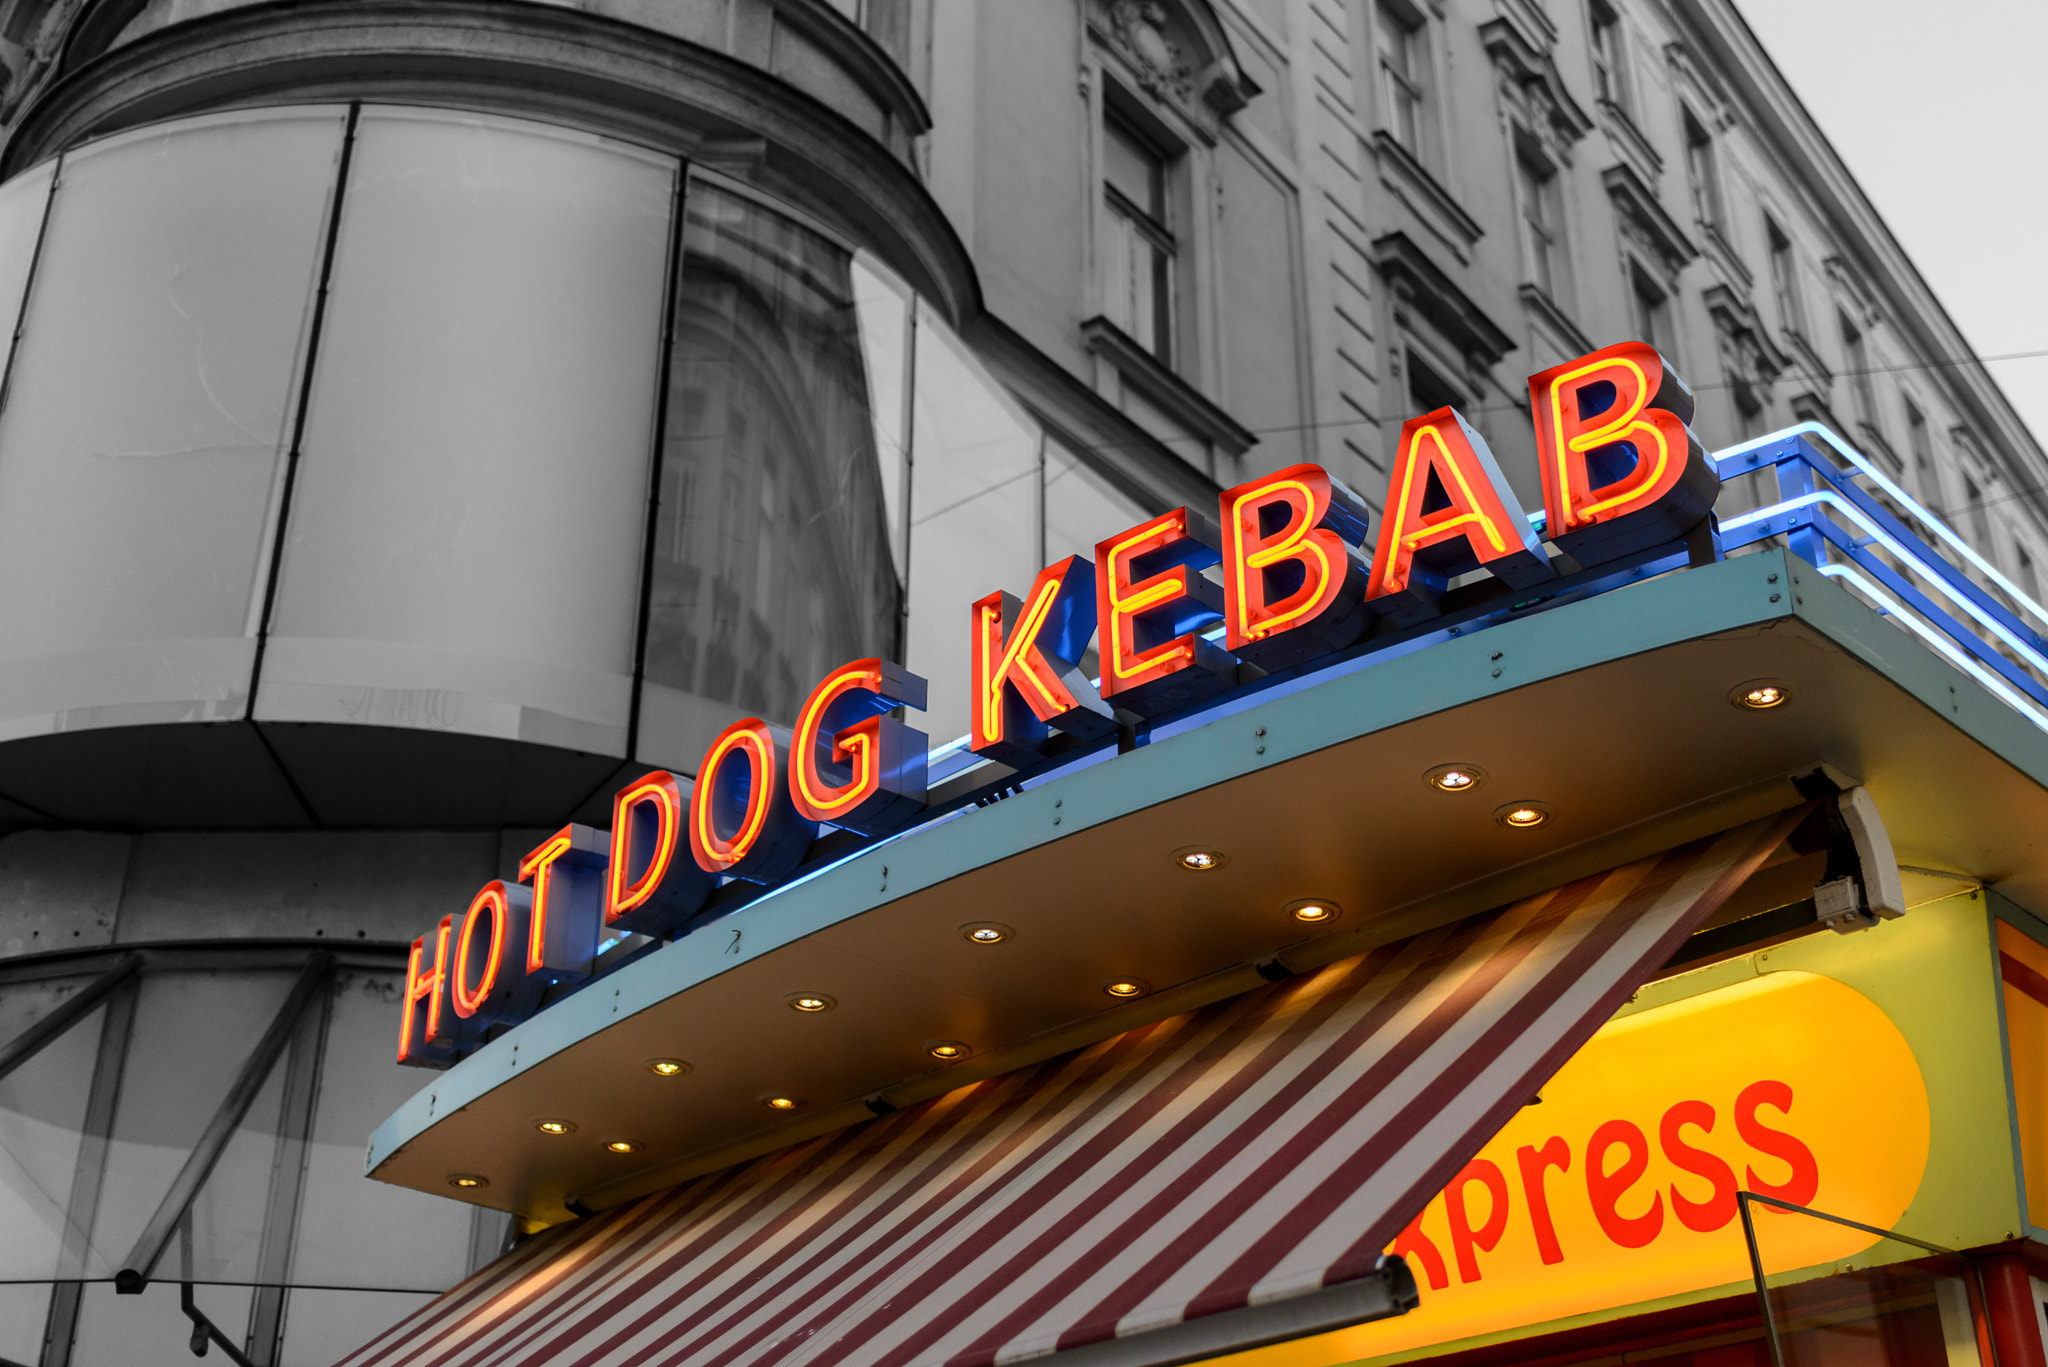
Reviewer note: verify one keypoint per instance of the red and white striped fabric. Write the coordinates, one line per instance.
(1259, 1148)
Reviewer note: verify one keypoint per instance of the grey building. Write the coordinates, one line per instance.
(425, 415)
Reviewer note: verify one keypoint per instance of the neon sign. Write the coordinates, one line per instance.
(1621, 472)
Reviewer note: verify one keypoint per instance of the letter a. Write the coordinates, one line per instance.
(1449, 510)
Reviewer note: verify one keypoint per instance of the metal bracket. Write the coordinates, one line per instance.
(1863, 885)
(156, 1235)
(205, 1330)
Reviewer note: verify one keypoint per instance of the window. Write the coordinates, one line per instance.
(1699, 171)
(1610, 59)
(1648, 310)
(1921, 443)
(1402, 62)
(1139, 252)
(1980, 525)
(1856, 359)
(1429, 391)
(2029, 581)
(1784, 278)
(1542, 236)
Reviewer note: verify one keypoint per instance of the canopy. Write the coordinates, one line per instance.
(1229, 1162)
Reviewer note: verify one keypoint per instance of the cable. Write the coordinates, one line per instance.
(1523, 408)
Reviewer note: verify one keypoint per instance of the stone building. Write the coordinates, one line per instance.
(423, 415)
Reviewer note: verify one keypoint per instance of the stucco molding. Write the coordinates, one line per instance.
(528, 60)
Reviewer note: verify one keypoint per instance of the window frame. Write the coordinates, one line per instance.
(1539, 217)
(1856, 367)
(1127, 225)
(1403, 92)
(1608, 51)
(1783, 262)
(1702, 169)
(1649, 306)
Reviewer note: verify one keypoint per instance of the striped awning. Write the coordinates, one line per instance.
(1261, 1149)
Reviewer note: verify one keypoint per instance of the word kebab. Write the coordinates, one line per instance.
(1622, 474)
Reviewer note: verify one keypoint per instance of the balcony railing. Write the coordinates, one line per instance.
(1840, 513)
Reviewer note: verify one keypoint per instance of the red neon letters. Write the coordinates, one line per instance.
(1024, 665)
(1292, 586)
(1621, 473)
(1621, 469)
(422, 1037)
(1449, 510)
(648, 889)
(566, 871)
(852, 765)
(1150, 600)
(485, 984)
(741, 819)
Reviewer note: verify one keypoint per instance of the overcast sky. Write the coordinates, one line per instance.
(1941, 112)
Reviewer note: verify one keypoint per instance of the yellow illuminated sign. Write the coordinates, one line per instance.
(2023, 969)
(1619, 1185)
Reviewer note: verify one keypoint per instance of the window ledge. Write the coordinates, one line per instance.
(1631, 140)
(1812, 406)
(1418, 283)
(1537, 301)
(1180, 400)
(1643, 218)
(1412, 180)
(1874, 444)
(1724, 259)
(1806, 358)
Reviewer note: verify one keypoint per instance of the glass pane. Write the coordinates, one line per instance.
(24, 1313)
(22, 201)
(1082, 508)
(42, 1110)
(115, 1329)
(1914, 1313)
(771, 563)
(192, 1033)
(148, 409)
(465, 537)
(322, 1327)
(973, 513)
(1133, 169)
(884, 304)
(354, 1231)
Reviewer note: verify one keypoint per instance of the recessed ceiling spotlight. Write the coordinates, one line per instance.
(1314, 910)
(810, 1001)
(468, 1181)
(667, 1067)
(555, 1126)
(1522, 815)
(986, 932)
(623, 1146)
(1200, 858)
(781, 1103)
(948, 1050)
(1455, 778)
(1760, 695)
(1125, 987)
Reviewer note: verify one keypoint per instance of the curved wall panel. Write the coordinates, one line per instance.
(465, 535)
(147, 412)
(334, 439)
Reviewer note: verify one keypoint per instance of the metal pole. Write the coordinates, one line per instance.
(31, 1041)
(1756, 1267)
(156, 1236)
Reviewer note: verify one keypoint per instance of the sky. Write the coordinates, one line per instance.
(1941, 114)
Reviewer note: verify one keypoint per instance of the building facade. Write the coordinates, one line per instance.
(421, 418)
